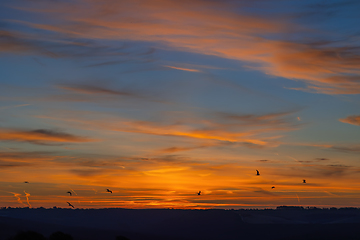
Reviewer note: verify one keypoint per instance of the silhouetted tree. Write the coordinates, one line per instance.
(29, 235)
(60, 236)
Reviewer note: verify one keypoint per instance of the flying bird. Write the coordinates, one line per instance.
(272, 187)
(304, 181)
(199, 193)
(257, 173)
(108, 190)
(69, 193)
(70, 205)
(26, 182)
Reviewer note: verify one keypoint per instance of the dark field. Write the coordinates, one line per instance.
(102, 224)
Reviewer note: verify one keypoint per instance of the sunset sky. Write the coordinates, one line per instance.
(157, 100)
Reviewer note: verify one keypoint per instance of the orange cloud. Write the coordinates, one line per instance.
(178, 149)
(88, 89)
(354, 120)
(24, 159)
(184, 69)
(11, 41)
(248, 130)
(173, 181)
(211, 28)
(40, 136)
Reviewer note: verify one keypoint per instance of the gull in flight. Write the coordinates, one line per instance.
(199, 193)
(69, 193)
(304, 181)
(70, 205)
(108, 190)
(257, 173)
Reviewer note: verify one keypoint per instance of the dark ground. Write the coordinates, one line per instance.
(167, 224)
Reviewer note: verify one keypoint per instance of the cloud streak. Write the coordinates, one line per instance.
(48, 45)
(88, 89)
(20, 159)
(247, 130)
(183, 69)
(217, 30)
(15, 106)
(41, 136)
(222, 183)
(354, 120)
(349, 149)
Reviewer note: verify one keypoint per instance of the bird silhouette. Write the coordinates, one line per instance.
(257, 173)
(304, 181)
(70, 205)
(199, 193)
(108, 190)
(272, 187)
(69, 193)
(26, 182)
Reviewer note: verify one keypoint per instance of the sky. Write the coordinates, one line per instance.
(157, 100)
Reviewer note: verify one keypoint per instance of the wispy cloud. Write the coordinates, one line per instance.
(17, 42)
(179, 149)
(89, 173)
(350, 149)
(92, 89)
(27, 156)
(20, 159)
(354, 120)
(317, 170)
(14, 106)
(101, 93)
(45, 44)
(216, 29)
(5, 165)
(40, 136)
(222, 183)
(272, 119)
(247, 130)
(183, 69)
